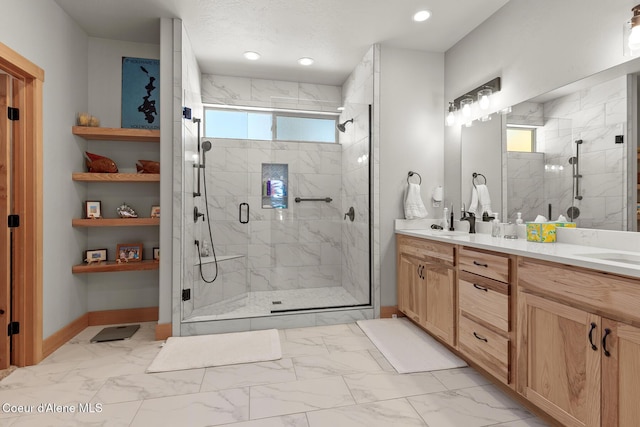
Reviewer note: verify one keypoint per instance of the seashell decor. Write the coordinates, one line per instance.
(126, 211)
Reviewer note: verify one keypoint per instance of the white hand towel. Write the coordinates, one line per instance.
(480, 198)
(413, 206)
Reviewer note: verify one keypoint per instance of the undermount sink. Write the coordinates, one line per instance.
(616, 257)
(443, 233)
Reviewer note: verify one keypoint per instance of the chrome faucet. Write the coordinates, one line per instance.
(471, 217)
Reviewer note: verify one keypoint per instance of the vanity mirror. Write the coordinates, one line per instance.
(570, 152)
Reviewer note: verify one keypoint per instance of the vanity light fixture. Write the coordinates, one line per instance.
(481, 93)
(451, 116)
(251, 56)
(484, 98)
(422, 15)
(634, 35)
(485, 118)
(465, 106)
(306, 61)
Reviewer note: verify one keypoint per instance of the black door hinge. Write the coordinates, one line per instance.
(13, 113)
(14, 328)
(13, 221)
(186, 294)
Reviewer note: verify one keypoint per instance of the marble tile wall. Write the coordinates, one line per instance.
(525, 185)
(243, 91)
(595, 115)
(358, 95)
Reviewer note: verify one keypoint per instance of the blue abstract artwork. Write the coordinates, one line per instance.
(140, 93)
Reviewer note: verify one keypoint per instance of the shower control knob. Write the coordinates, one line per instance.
(197, 214)
(351, 214)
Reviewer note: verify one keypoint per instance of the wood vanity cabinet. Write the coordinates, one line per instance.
(484, 326)
(579, 344)
(426, 284)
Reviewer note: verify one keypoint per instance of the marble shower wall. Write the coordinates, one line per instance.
(355, 141)
(525, 185)
(292, 248)
(595, 115)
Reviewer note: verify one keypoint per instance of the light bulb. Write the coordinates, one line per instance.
(465, 106)
(634, 38)
(484, 99)
(451, 118)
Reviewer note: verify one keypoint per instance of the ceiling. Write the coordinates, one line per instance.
(336, 33)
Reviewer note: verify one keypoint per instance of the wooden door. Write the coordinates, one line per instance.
(5, 182)
(562, 370)
(410, 289)
(620, 374)
(439, 302)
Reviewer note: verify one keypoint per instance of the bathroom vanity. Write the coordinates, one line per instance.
(556, 324)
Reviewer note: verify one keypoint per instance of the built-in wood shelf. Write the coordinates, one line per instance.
(112, 266)
(116, 177)
(115, 222)
(117, 134)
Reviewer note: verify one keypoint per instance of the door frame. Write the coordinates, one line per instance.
(27, 189)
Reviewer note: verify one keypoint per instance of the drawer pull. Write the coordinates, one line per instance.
(607, 331)
(479, 264)
(481, 338)
(480, 288)
(593, 346)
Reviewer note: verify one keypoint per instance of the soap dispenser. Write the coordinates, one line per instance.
(519, 219)
(495, 226)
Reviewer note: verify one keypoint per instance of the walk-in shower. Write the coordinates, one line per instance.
(274, 212)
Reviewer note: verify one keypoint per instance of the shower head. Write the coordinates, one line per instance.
(341, 126)
(205, 146)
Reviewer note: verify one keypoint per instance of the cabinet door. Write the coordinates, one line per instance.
(410, 287)
(439, 311)
(620, 374)
(562, 370)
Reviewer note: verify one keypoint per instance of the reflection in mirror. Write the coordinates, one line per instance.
(553, 174)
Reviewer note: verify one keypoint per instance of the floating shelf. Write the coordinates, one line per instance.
(117, 134)
(116, 177)
(115, 222)
(111, 266)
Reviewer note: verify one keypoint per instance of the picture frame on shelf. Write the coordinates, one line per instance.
(155, 211)
(95, 256)
(93, 209)
(156, 254)
(129, 252)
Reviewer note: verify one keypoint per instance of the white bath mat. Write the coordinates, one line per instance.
(204, 351)
(407, 347)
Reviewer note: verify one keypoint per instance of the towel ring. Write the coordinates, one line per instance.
(475, 176)
(411, 173)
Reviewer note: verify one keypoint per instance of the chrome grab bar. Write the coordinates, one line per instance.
(323, 199)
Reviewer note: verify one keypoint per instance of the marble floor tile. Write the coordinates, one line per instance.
(390, 413)
(382, 361)
(319, 331)
(348, 343)
(339, 363)
(44, 420)
(128, 388)
(299, 396)
(248, 374)
(195, 410)
(113, 415)
(37, 375)
(303, 347)
(529, 422)
(457, 378)
(295, 420)
(373, 387)
(469, 407)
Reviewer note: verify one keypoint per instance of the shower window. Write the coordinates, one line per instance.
(270, 125)
(521, 139)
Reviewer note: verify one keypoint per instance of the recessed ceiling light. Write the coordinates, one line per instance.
(252, 56)
(305, 61)
(422, 15)
(340, 108)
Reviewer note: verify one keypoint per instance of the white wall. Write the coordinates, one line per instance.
(44, 34)
(535, 46)
(411, 138)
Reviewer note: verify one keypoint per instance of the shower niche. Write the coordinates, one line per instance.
(275, 185)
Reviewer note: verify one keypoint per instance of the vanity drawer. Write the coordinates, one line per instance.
(488, 264)
(484, 300)
(605, 294)
(484, 347)
(423, 248)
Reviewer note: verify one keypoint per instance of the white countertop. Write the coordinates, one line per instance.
(564, 253)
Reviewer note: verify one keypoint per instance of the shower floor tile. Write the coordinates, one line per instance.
(262, 303)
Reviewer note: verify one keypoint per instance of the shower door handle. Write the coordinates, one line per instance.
(246, 220)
